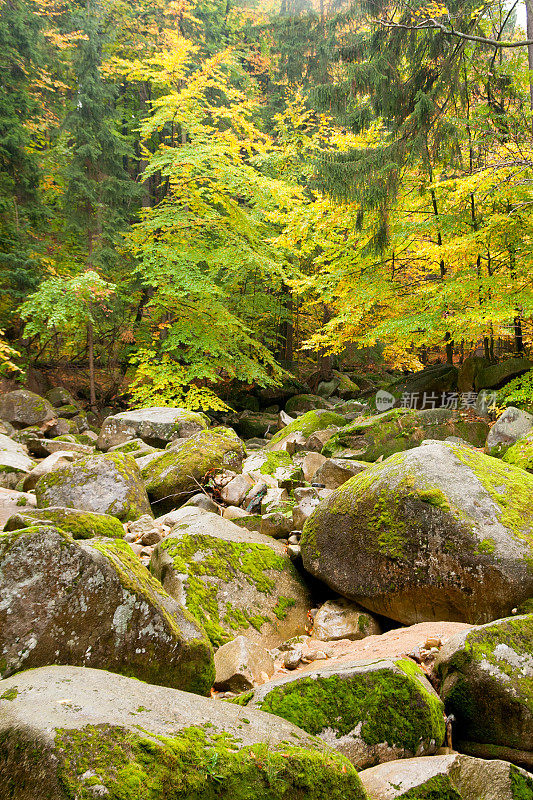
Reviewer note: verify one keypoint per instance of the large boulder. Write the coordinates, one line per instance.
(52, 462)
(402, 429)
(487, 683)
(80, 524)
(511, 426)
(92, 603)
(155, 426)
(369, 711)
(106, 484)
(23, 408)
(71, 733)
(447, 777)
(14, 466)
(305, 426)
(9, 445)
(59, 396)
(174, 476)
(341, 619)
(434, 381)
(440, 532)
(301, 403)
(241, 663)
(496, 375)
(232, 580)
(251, 424)
(469, 370)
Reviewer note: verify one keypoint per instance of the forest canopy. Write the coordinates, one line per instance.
(196, 195)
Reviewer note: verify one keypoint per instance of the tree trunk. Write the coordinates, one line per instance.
(90, 348)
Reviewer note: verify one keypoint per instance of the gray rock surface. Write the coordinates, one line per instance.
(91, 603)
(342, 619)
(23, 408)
(155, 426)
(240, 664)
(510, 426)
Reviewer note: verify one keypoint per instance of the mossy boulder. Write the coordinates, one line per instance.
(496, 375)
(509, 428)
(251, 424)
(301, 403)
(23, 408)
(86, 734)
(105, 484)
(175, 475)
(155, 426)
(135, 447)
(59, 396)
(232, 580)
(441, 532)
(92, 603)
(400, 429)
(306, 425)
(447, 777)
(370, 712)
(520, 454)
(434, 380)
(487, 684)
(80, 524)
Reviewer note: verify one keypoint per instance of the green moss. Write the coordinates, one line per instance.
(434, 497)
(9, 694)
(308, 423)
(274, 460)
(521, 453)
(22, 501)
(281, 609)
(223, 560)
(521, 785)
(487, 545)
(392, 708)
(197, 765)
(439, 787)
(80, 524)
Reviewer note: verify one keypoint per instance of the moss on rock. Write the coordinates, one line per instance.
(307, 424)
(80, 524)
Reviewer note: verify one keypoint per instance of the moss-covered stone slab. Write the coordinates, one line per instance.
(400, 429)
(105, 484)
(306, 425)
(447, 777)
(80, 524)
(233, 581)
(87, 733)
(14, 466)
(300, 403)
(59, 396)
(174, 476)
(92, 603)
(23, 408)
(370, 712)
(440, 532)
(155, 426)
(487, 683)
(520, 454)
(496, 375)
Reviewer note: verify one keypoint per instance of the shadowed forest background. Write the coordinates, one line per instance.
(200, 197)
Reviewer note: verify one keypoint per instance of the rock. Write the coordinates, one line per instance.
(278, 465)
(310, 463)
(202, 501)
(462, 519)
(142, 525)
(251, 522)
(469, 371)
(443, 777)
(284, 419)
(369, 711)
(250, 425)
(497, 375)
(346, 388)
(401, 429)
(307, 501)
(6, 428)
(155, 426)
(511, 426)
(174, 476)
(93, 734)
(41, 448)
(23, 408)
(50, 463)
(341, 619)
(106, 484)
(304, 427)
(318, 439)
(151, 538)
(79, 524)
(301, 403)
(12, 502)
(274, 500)
(61, 427)
(336, 471)
(232, 580)
(59, 396)
(91, 603)
(239, 665)
(292, 659)
(433, 380)
(487, 676)
(14, 466)
(234, 512)
(234, 492)
(8, 445)
(276, 524)
(135, 447)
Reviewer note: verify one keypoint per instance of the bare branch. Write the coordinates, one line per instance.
(433, 25)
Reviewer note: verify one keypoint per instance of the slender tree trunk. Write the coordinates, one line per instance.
(90, 349)
(529, 28)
